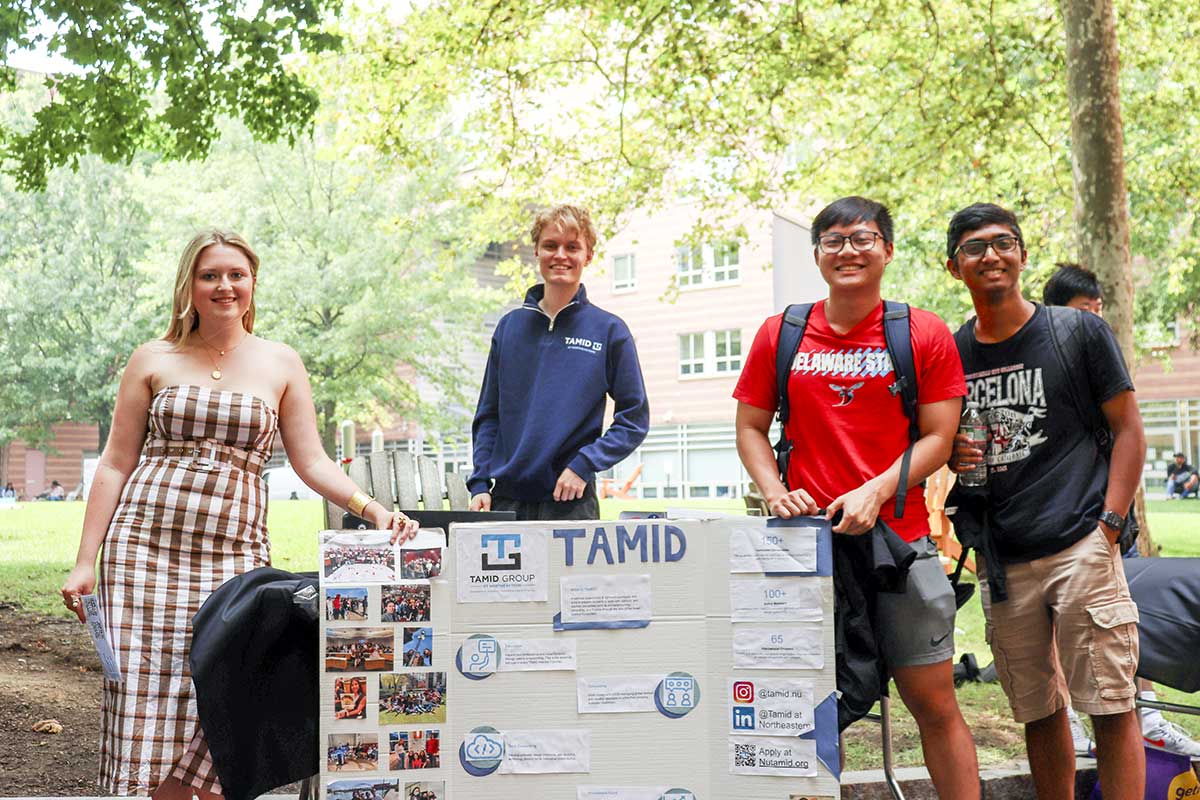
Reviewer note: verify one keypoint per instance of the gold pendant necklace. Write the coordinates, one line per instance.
(216, 373)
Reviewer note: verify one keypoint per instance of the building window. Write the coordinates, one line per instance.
(725, 262)
(729, 350)
(707, 264)
(691, 354)
(624, 272)
(710, 353)
(689, 265)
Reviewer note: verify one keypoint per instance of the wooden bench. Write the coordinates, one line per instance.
(401, 480)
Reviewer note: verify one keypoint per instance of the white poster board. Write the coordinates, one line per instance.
(631, 660)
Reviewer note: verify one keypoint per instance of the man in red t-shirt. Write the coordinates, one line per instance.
(849, 433)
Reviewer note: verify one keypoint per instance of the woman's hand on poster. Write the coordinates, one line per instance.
(400, 524)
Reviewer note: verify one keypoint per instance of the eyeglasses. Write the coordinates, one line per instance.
(976, 248)
(861, 241)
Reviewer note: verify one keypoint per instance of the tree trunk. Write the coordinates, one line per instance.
(1098, 165)
(329, 427)
(103, 425)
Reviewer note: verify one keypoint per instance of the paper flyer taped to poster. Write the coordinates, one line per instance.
(617, 693)
(778, 648)
(486, 654)
(498, 566)
(602, 601)
(782, 599)
(772, 755)
(632, 793)
(763, 549)
(771, 706)
(529, 752)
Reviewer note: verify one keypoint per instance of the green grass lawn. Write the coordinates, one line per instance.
(38, 542)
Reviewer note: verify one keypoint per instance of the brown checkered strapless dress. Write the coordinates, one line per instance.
(192, 515)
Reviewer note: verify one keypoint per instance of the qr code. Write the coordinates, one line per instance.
(744, 755)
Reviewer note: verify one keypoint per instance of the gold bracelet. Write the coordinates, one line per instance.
(358, 502)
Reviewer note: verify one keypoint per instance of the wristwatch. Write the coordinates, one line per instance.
(1113, 520)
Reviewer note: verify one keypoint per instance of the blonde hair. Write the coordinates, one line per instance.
(184, 319)
(567, 217)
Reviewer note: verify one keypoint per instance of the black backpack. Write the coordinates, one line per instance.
(1066, 336)
(897, 336)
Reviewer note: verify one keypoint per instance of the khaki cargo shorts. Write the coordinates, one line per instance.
(1069, 627)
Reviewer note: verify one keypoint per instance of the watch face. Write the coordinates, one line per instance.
(1113, 520)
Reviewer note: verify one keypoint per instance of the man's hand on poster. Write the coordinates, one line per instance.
(481, 502)
(569, 487)
(796, 503)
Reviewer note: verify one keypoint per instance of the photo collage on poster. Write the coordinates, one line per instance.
(384, 700)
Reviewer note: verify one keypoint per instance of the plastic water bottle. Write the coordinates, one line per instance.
(976, 431)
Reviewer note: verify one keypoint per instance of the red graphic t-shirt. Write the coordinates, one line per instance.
(845, 425)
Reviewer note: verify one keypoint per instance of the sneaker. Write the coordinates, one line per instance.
(1168, 736)
(1084, 746)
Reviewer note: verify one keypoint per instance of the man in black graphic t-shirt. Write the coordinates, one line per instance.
(1055, 506)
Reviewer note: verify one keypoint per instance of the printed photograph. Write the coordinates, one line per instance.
(414, 750)
(367, 649)
(412, 698)
(350, 697)
(405, 603)
(352, 752)
(419, 564)
(425, 790)
(418, 647)
(350, 557)
(345, 605)
(366, 789)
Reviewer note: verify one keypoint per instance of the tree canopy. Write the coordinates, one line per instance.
(158, 75)
(927, 106)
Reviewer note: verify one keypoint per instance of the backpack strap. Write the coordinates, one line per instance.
(791, 331)
(897, 335)
(1066, 339)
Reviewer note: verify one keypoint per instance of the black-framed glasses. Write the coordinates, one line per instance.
(861, 241)
(976, 248)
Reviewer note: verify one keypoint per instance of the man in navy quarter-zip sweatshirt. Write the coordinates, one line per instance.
(537, 434)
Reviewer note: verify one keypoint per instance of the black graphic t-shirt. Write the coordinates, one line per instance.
(1046, 474)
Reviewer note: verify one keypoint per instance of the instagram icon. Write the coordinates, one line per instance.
(743, 692)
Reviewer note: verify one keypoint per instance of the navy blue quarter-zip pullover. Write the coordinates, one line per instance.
(541, 408)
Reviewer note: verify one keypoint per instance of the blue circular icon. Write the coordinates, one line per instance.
(478, 657)
(677, 794)
(482, 751)
(677, 694)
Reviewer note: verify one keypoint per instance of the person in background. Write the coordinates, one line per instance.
(1182, 480)
(1074, 286)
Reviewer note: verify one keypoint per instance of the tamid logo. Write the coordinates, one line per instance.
(575, 343)
(743, 718)
(743, 692)
(507, 548)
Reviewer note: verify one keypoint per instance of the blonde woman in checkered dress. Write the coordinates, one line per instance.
(200, 409)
